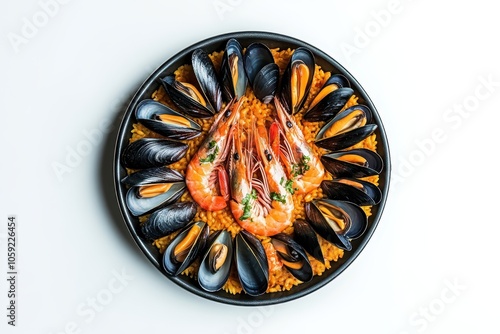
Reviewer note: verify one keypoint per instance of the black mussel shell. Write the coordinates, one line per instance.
(339, 80)
(174, 265)
(353, 128)
(347, 139)
(321, 226)
(166, 121)
(206, 76)
(305, 57)
(257, 55)
(262, 72)
(152, 152)
(266, 83)
(168, 219)
(251, 264)
(330, 103)
(329, 106)
(353, 163)
(353, 216)
(188, 105)
(157, 176)
(305, 236)
(233, 66)
(352, 190)
(294, 257)
(208, 279)
(139, 205)
(349, 119)
(153, 175)
(358, 222)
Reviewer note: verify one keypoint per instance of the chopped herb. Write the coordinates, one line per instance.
(215, 150)
(301, 167)
(278, 197)
(282, 180)
(247, 205)
(305, 161)
(289, 186)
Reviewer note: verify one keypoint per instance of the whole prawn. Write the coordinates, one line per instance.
(206, 169)
(260, 203)
(303, 166)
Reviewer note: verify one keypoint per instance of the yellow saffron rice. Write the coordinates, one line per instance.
(279, 278)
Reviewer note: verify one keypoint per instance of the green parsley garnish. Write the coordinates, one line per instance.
(215, 150)
(247, 205)
(301, 167)
(278, 197)
(289, 186)
(305, 161)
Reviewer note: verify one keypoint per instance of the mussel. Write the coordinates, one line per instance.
(262, 72)
(251, 264)
(353, 163)
(168, 219)
(216, 263)
(297, 80)
(152, 152)
(338, 222)
(153, 188)
(202, 102)
(347, 128)
(187, 97)
(293, 256)
(352, 190)
(185, 247)
(206, 76)
(305, 236)
(330, 100)
(166, 121)
(232, 71)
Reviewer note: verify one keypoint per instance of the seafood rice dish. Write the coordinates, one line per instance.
(252, 169)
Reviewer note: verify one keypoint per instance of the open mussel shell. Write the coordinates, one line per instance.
(166, 121)
(187, 97)
(297, 79)
(139, 204)
(330, 99)
(171, 218)
(329, 106)
(336, 221)
(185, 247)
(347, 128)
(215, 265)
(262, 72)
(232, 71)
(352, 190)
(293, 257)
(152, 152)
(251, 264)
(305, 236)
(206, 76)
(152, 188)
(347, 139)
(153, 175)
(357, 163)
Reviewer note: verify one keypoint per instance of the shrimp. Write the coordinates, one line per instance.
(260, 203)
(303, 166)
(206, 169)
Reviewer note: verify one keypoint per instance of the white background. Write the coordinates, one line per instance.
(420, 64)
